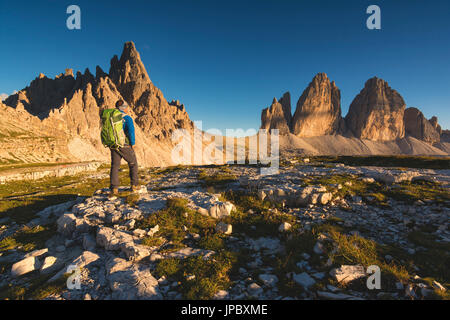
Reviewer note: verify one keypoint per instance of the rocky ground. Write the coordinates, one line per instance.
(227, 232)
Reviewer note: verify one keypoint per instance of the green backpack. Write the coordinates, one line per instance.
(112, 133)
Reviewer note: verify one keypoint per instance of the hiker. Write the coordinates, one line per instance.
(126, 152)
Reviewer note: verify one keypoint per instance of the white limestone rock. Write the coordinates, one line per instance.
(224, 228)
(268, 279)
(285, 226)
(49, 265)
(130, 281)
(304, 279)
(348, 273)
(25, 266)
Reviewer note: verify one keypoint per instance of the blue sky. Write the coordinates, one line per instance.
(226, 60)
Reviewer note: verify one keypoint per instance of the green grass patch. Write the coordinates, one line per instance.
(264, 221)
(211, 275)
(152, 241)
(26, 167)
(378, 193)
(36, 289)
(132, 199)
(215, 242)
(28, 239)
(171, 169)
(221, 177)
(21, 200)
(434, 261)
(388, 161)
(355, 250)
(419, 190)
(172, 219)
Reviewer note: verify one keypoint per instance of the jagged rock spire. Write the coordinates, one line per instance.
(318, 110)
(154, 114)
(99, 73)
(417, 126)
(278, 115)
(377, 112)
(129, 74)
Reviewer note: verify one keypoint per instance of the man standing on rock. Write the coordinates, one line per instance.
(126, 152)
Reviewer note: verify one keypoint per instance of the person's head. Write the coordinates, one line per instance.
(122, 105)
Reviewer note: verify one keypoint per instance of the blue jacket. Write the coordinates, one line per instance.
(128, 127)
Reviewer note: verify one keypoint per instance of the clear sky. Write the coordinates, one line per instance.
(226, 60)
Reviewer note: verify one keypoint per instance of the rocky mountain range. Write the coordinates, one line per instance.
(66, 111)
(378, 113)
(58, 119)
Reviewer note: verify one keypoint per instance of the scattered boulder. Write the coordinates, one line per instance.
(285, 226)
(438, 286)
(265, 243)
(37, 253)
(336, 296)
(326, 197)
(318, 248)
(261, 195)
(139, 233)
(112, 239)
(268, 279)
(221, 210)
(66, 224)
(89, 242)
(85, 259)
(224, 228)
(368, 180)
(25, 266)
(188, 252)
(135, 252)
(304, 279)
(49, 265)
(254, 289)
(130, 281)
(221, 295)
(153, 231)
(348, 273)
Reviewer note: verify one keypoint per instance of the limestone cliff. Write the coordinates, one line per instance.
(377, 112)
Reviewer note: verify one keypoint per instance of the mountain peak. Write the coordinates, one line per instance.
(99, 73)
(321, 76)
(278, 115)
(318, 110)
(129, 73)
(129, 50)
(375, 82)
(377, 112)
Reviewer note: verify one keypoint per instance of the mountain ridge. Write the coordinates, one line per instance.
(74, 104)
(378, 113)
(57, 120)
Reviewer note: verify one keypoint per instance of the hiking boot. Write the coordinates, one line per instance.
(135, 189)
(113, 193)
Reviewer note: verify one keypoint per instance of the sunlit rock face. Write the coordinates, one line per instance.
(154, 114)
(377, 112)
(417, 126)
(318, 110)
(278, 115)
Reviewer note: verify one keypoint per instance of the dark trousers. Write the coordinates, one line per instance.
(127, 153)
